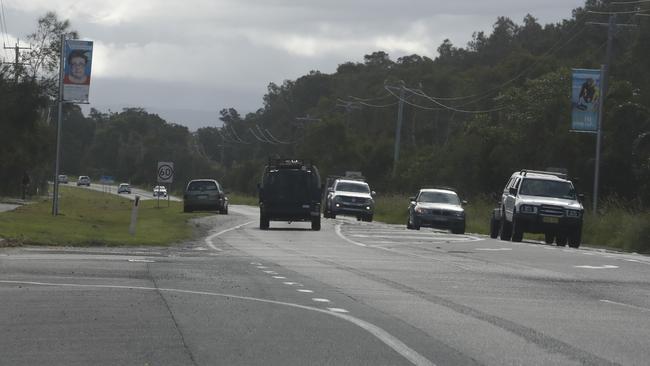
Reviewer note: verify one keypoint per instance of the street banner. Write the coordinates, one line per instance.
(584, 100)
(77, 66)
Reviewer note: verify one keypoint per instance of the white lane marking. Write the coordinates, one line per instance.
(391, 341)
(338, 232)
(270, 272)
(292, 283)
(626, 305)
(415, 237)
(316, 299)
(256, 263)
(280, 277)
(262, 267)
(632, 260)
(587, 253)
(141, 261)
(338, 310)
(607, 266)
(492, 249)
(306, 291)
(208, 240)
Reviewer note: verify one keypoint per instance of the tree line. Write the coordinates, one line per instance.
(471, 116)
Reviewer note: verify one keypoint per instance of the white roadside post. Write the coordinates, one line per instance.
(134, 215)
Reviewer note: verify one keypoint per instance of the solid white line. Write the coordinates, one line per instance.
(492, 249)
(626, 305)
(208, 240)
(338, 232)
(141, 261)
(607, 266)
(385, 337)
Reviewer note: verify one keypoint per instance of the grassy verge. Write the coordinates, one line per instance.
(615, 227)
(95, 218)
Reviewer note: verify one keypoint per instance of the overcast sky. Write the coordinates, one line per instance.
(195, 57)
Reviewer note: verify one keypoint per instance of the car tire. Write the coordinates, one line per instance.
(460, 230)
(315, 223)
(517, 232)
(561, 240)
(408, 223)
(575, 238)
(368, 218)
(224, 210)
(549, 238)
(505, 230)
(332, 215)
(264, 222)
(494, 228)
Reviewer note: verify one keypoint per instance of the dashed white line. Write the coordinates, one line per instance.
(606, 266)
(141, 261)
(292, 283)
(270, 272)
(262, 267)
(493, 249)
(256, 263)
(632, 260)
(280, 277)
(306, 291)
(337, 310)
(317, 299)
(385, 337)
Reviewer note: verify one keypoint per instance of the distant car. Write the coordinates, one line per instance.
(438, 208)
(124, 188)
(350, 197)
(63, 179)
(83, 180)
(205, 194)
(159, 191)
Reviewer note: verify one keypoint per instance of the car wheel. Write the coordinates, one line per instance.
(460, 230)
(315, 223)
(494, 228)
(368, 218)
(575, 238)
(264, 222)
(549, 238)
(560, 240)
(517, 232)
(505, 231)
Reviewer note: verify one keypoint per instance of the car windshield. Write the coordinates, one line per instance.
(353, 187)
(547, 188)
(439, 197)
(202, 186)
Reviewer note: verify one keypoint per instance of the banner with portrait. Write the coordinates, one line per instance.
(76, 70)
(585, 97)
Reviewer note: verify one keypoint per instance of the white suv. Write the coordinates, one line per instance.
(539, 202)
(350, 197)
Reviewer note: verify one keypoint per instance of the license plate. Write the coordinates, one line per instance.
(550, 220)
(202, 197)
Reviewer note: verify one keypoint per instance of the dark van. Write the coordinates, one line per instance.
(290, 191)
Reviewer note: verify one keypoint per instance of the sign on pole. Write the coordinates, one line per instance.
(165, 172)
(585, 95)
(78, 62)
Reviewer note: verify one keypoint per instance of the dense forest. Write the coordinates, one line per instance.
(470, 117)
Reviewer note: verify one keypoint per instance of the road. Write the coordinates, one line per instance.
(353, 293)
(143, 194)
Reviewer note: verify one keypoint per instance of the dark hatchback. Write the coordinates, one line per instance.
(205, 194)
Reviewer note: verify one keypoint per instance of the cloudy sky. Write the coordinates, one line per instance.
(192, 58)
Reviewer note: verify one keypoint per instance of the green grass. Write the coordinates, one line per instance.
(89, 218)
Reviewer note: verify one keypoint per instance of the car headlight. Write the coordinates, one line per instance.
(573, 213)
(528, 209)
(420, 210)
(458, 213)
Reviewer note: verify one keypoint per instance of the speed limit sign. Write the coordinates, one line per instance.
(165, 172)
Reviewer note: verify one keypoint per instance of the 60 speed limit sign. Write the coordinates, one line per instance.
(165, 172)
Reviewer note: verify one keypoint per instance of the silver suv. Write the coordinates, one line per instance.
(539, 202)
(350, 197)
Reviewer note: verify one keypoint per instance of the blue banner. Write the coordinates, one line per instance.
(585, 97)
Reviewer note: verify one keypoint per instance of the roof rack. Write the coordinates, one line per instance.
(557, 174)
(288, 163)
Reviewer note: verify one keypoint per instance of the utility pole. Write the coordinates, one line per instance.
(55, 198)
(349, 107)
(16, 62)
(398, 127)
(604, 73)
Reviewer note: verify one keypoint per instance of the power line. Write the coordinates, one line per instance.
(616, 12)
(630, 2)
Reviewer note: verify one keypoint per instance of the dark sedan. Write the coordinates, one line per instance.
(436, 208)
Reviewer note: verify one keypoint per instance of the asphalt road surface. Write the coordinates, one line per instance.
(353, 293)
(144, 195)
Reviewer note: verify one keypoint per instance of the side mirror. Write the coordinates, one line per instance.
(373, 193)
(513, 191)
(581, 197)
(412, 199)
(330, 189)
(463, 202)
